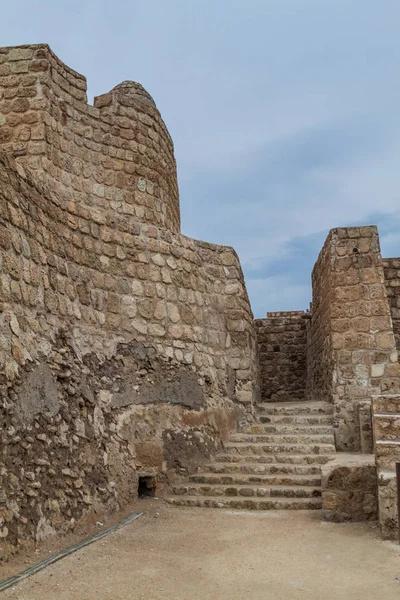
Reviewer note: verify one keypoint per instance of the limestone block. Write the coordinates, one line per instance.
(388, 505)
(350, 488)
(365, 420)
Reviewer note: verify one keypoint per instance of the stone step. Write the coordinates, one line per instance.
(295, 459)
(295, 408)
(260, 468)
(278, 419)
(254, 478)
(274, 449)
(242, 503)
(290, 429)
(247, 491)
(281, 438)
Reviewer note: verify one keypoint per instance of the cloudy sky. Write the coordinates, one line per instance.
(284, 114)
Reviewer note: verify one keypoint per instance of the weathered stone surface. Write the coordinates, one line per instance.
(282, 351)
(366, 432)
(388, 517)
(255, 464)
(149, 455)
(37, 394)
(163, 384)
(350, 488)
(350, 337)
(127, 348)
(392, 282)
(386, 424)
(114, 328)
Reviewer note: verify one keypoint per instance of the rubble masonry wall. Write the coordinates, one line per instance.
(391, 267)
(352, 353)
(126, 349)
(115, 158)
(282, 355)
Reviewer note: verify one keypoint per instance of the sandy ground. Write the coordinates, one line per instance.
(189, 554)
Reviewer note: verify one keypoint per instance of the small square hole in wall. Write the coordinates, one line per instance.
(277, 349)
(146, 487)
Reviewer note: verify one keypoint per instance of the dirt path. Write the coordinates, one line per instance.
(191, 554)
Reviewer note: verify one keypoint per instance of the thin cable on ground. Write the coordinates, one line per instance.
(52, 559)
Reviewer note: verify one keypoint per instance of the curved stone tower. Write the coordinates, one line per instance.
(129, 107)
(126, 349)
(116, 155)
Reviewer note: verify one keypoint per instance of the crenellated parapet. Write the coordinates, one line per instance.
(116, 156)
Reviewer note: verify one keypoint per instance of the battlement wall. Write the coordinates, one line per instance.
(351, 347)
(126, 348)
(116, 156)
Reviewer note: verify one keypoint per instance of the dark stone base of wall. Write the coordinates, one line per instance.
(78, 434)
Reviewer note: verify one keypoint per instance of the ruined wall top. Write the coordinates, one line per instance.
(125, 89)
(116, 156)
(289, 314)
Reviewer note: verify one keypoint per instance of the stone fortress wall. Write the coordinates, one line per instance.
(126, 348)
(282, 354)
(391, 267)
(115, 158)
(362, 368)
(361, 359)
(129, 350)
(319, 342)
(352, 339)
(347, 339)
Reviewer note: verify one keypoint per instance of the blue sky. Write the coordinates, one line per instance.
(284, 114)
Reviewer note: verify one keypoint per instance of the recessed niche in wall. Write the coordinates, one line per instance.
(146, 487)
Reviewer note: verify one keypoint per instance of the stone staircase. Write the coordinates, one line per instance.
(272, 464)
